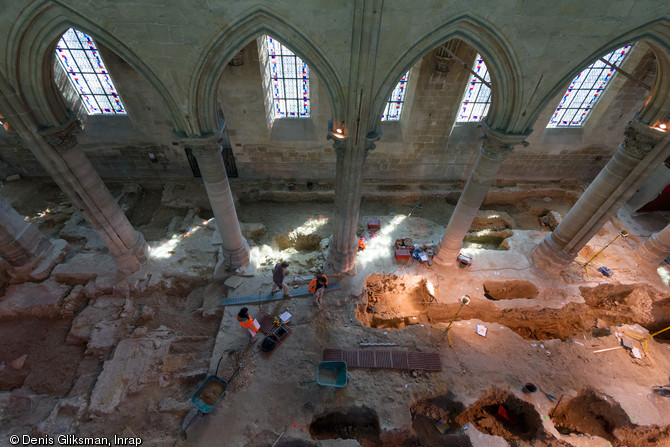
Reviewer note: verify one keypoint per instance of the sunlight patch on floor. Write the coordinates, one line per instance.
(380, 246)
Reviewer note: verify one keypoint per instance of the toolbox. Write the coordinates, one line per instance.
(402, 253)
(374, 224)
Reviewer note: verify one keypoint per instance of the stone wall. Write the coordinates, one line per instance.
(425, 146)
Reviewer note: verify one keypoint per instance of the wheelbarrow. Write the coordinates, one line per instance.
(205, 398)
(332, 373)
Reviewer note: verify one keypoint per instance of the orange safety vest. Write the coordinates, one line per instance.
(312, 285)
(249, 324)
(361, 243)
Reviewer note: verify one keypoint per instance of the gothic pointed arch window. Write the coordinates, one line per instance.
(477, 96)
(395, 103)
(586, 89)
(285, 81)
(80, 59)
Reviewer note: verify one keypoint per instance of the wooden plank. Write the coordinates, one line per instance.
(265, 297)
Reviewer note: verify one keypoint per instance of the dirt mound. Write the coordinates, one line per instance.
(509, 290)
(596, 414)
(500, 413)
(637, 299)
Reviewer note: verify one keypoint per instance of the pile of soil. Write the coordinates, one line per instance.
(211, 393)
(637, 299)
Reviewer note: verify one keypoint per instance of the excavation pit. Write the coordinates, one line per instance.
(360, 423)
(488, 240)
(445, 409)
(590, 413)
(510, 290)
(394, 302)
(500, 413)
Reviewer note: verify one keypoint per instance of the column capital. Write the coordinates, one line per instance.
(370, 140)
(639, 138)
(63, 137)
(339, 143)
(208, 143)
(498, 144)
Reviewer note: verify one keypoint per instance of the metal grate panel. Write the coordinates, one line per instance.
(360, 358)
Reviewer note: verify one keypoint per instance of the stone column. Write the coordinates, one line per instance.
(656, 248)
(348, 182)
(73, 172)
(21, 243)
(495, 148)
(640, 153)
(207, 150)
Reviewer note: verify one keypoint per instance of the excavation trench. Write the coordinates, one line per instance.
(500, 413)
(393, 302)
(596, 414)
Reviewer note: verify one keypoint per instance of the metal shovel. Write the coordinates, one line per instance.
(549, 396)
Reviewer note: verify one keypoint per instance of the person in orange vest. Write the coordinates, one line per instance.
(317, 287)
(247, 322)
(361, 243)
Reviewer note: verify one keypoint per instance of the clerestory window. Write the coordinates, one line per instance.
(395, 102)
(285, 81)
(80, 59)
(477, 96)
(585, 90)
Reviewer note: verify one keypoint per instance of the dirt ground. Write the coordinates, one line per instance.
(534, 358)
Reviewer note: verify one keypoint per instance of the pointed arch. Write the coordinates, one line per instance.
(231, 40)
(501, 61)
(32, 45)
(657, 107)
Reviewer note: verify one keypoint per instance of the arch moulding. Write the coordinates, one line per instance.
(230, 41)
(32, 42)
(503, 66)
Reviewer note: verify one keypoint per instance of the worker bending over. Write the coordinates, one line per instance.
(317, 287)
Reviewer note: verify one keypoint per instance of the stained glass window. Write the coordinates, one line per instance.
(81, 60)
(477, 96)
(585, 90)
(286, 79)
(394, 104)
